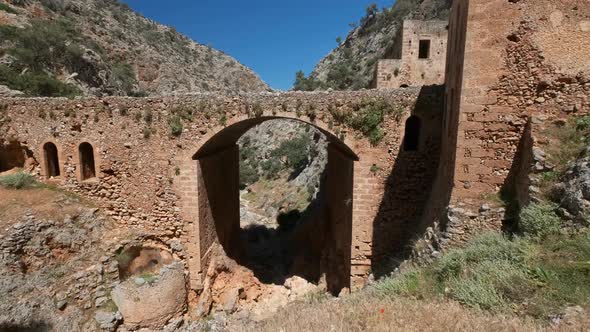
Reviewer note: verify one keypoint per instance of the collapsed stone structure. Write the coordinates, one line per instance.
(417, 58)
(442, 153)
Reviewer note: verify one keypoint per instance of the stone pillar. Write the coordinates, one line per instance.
(219, 203)
(337, 255)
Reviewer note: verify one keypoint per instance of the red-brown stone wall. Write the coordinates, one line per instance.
(510, 75)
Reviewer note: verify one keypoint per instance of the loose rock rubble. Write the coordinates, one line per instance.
(38, 264)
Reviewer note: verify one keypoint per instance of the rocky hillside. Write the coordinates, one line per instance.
(281, 167)
(351, 65)
(102, 47)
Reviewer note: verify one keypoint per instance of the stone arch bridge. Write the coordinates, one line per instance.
(169, 166)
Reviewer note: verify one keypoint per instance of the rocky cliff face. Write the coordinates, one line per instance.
(102, 47)
(351, 65)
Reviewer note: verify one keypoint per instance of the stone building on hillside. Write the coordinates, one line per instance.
(418, 58)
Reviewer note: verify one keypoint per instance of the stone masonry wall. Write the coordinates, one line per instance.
(511, 75)
(503, 72)
(409, 69)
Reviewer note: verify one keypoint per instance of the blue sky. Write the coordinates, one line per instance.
(274, 38)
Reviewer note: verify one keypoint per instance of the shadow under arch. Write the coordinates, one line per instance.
(322, 245)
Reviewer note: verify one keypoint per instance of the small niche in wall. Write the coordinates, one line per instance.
(51, 160)
(87, 165)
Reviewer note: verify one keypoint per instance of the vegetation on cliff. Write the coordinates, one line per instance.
(101, 47)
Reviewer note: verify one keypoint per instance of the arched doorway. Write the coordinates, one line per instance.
(325, 243)
(87, 165)
(51, 160)
(412, 133)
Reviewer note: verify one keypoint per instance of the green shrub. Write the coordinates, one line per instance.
(185, 113)
(257, 110)
(477, 293)
(124, 258)
(498, 274)
(367, 118)
(407, 283)
(55, 5)
(583, 123)
(248, 175)
(295, 153)
(43, 44)
(374, 168)
(311, 112)
(147, 132)
(539, 219)
(149, 277)
(568, 141)
(138, 94)
(303, 83)
(485, 274)
(148, 116)
(36, 83)
(7, 8)
(175, 124)
(20, 180)
(491, 285)
(271, 168)
(223, 119)
(70, 113)
(123, 77)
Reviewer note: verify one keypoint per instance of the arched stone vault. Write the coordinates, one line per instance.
(229, 135)
(217, 199)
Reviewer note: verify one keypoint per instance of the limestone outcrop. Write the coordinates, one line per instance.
(573, 191)
(151, 301)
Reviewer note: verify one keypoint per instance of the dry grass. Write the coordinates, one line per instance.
(494, 284)
(362, 312)
(43, 202)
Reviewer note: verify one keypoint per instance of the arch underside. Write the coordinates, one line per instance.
(228, 137)
(322, 245)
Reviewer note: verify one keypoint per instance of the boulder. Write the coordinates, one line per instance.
(300, 287)
(573, 192)
(152, 304)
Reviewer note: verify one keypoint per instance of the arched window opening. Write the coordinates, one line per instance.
(87, 166)
(403, 86)
(412, 134)
(51, 160)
